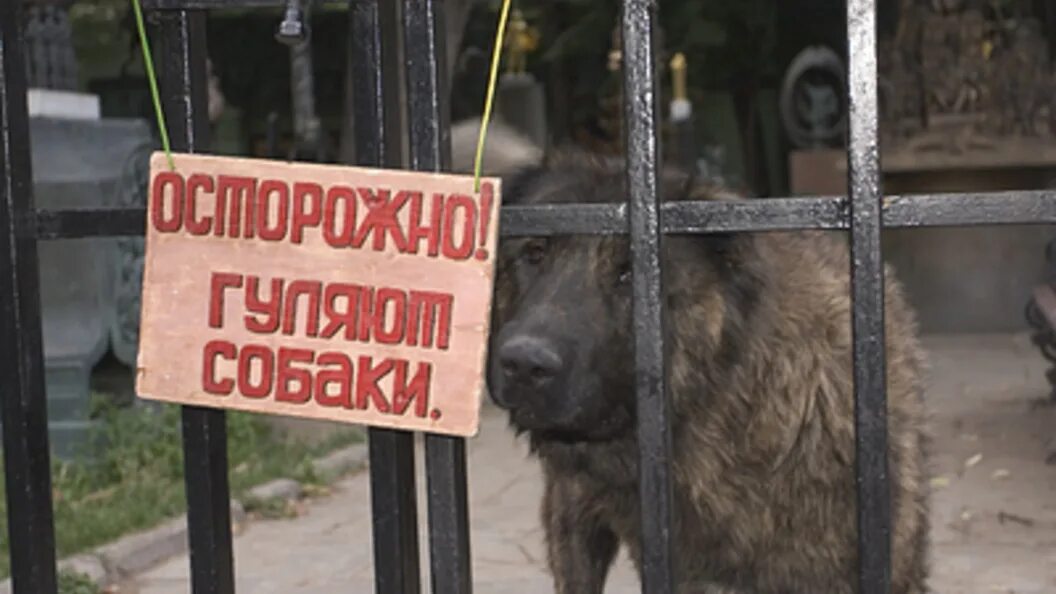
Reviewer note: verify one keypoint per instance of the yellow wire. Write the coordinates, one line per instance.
(495, 56)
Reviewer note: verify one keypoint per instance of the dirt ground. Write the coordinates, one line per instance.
(994, 506)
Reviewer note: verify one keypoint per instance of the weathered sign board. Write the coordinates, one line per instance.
(327, 292)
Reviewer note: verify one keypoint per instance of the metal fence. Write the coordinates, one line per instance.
(374, 32)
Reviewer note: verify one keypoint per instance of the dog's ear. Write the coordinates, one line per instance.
(682, 185)
(678, 183)
(518, 185)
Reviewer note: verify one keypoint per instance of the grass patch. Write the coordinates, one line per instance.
(76, 583)
(272, 508)
(136, 480)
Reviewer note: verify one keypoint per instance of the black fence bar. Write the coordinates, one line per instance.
(449, 545)
(221, 4)
(771, 214)
(374, 38)
(394, 512)
(653, 409)
(95, 222)
(970, 209)
(430, 150)
(760, 214)
(23, 405)
(867, 295)
(181, 59)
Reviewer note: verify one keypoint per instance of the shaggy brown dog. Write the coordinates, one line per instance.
(761, 385)
(760, 346)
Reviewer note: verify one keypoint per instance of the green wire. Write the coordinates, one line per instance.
(496, 54)
(148, 63)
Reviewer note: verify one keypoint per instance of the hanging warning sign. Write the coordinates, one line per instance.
(328, 292)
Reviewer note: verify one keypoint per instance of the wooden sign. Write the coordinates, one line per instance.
(326, 292)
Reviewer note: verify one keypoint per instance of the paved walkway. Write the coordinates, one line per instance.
(994, 518)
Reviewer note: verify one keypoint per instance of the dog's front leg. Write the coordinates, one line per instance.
(580, 546)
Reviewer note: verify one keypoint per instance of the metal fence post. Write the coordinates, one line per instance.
(653, 410)
(23, 405)
(867, 295)
(430, 150)
(374, 33)
(182, 66)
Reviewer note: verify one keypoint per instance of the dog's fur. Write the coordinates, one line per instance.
(761, 380)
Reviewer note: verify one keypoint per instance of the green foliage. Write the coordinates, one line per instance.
(136, 479)
(1010, 5)
(101, 38)
(71, 582)
(272, 508)
(725, 42)
(589, 33)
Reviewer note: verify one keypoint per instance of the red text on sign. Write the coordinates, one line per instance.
(356, 313)
(453, 226)
(330, 379)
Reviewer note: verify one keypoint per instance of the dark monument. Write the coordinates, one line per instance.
(954, 81)
(812, 101)
(77, 158)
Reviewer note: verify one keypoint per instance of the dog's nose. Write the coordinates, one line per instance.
(530, 360)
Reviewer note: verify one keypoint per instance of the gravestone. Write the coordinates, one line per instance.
(77, 164)
(131, 190)
(77, 159)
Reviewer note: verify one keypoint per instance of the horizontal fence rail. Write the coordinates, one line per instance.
(969, 209)
(162, 5)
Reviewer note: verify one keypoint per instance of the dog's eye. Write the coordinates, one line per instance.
(534, 252)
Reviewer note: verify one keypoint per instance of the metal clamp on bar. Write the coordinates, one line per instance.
(293, 30)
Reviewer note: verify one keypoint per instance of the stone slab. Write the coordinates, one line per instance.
(66, 105)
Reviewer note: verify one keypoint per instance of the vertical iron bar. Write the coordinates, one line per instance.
(430, 150)
(182, 65)
(27, 465)
(1050, 26)
(374, 36)
(654, 431)
(867, 294)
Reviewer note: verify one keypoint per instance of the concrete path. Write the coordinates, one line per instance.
(994, 516)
